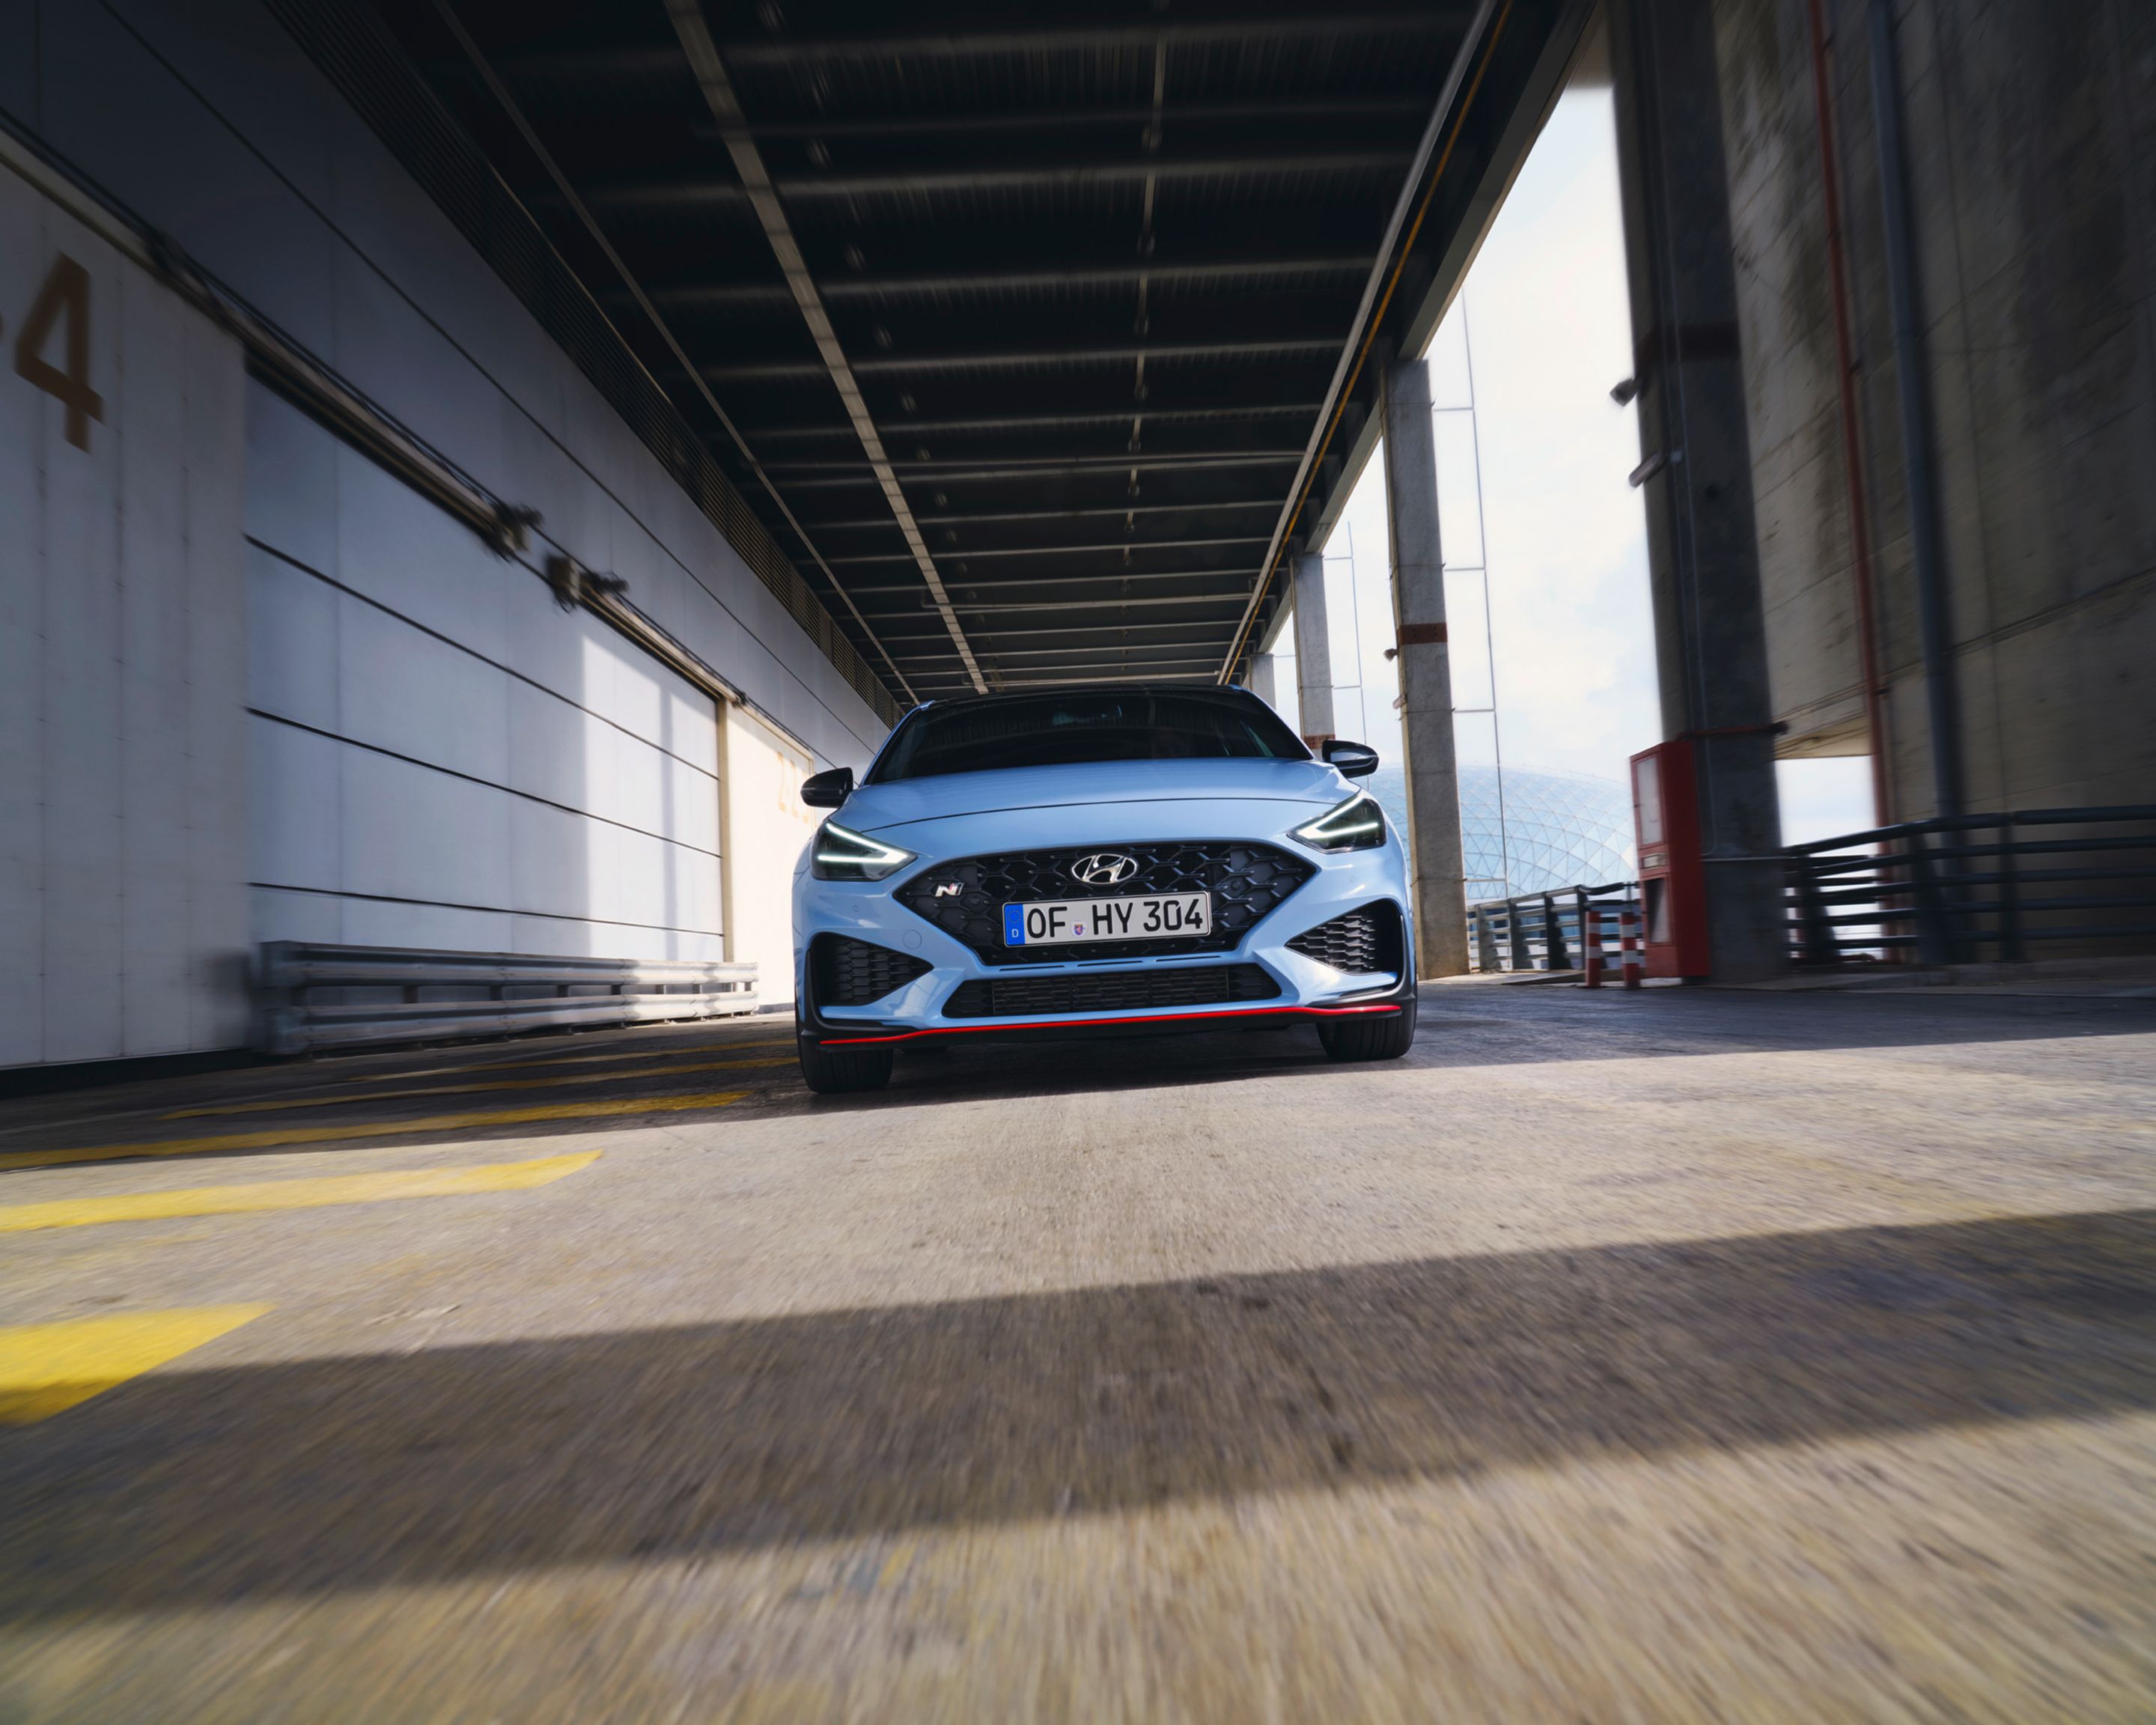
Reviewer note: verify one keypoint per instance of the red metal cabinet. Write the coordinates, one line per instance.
(1672, 877)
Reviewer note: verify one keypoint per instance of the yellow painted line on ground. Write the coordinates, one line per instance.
(636, 1054)
(275, 1136)
(291, 1194)
(347, 1100)
(47, 1368)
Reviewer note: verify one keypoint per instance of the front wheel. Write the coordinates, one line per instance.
(834, 1071)
(1374, 1038)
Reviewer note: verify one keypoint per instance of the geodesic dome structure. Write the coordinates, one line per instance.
(1559, 828)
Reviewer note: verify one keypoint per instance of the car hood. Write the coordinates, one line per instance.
(877, 807)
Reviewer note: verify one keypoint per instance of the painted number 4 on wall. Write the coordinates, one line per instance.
(62, 304)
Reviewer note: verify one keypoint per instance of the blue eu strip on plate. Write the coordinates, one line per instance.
(1014, 925)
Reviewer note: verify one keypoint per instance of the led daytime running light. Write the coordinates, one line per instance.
(1356, 824)
(841, 854)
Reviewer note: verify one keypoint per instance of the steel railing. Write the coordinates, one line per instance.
(314, 997)
(1545, 930)
(1978, 887)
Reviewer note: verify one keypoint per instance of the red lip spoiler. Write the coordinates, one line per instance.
(1170, 1017)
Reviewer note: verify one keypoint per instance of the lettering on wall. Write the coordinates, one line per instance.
(63, 302)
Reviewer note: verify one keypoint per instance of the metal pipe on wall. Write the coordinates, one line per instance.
(1860, 524)
(1919, 459)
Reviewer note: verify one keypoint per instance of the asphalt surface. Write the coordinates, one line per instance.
(1678, 1356)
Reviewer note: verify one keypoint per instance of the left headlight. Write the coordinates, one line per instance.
(1356, 824)
(841, 854)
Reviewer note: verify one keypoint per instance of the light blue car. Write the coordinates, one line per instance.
(1097, 861)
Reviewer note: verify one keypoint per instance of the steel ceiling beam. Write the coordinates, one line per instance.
(1214, 506)
(919, 183)
(973, 583)
(827, 474)
(948, 44)
(1126, 647)
(1057, 551)
(695, 37)
(944, 364)
(1051, 118)
(1022, 632)
(717, 295)
(934, 427)
(976, 608)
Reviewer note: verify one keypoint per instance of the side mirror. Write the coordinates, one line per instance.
(1353, 760)
(828, 790)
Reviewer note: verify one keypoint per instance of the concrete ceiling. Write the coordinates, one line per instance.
(1042, 335)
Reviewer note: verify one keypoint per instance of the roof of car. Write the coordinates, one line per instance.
(1202, 691)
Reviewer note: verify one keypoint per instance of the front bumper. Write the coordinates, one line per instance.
(1303, 989)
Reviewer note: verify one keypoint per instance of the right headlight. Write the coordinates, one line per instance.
(1356, 824)
(841, 854)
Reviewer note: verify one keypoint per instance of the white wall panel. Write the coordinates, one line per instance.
(295, 816)
(406, 691)
(291, 642)
(766, 826)
(22, 647)
(275, 915)
(122, 596)
(398, 550)
(413, 833)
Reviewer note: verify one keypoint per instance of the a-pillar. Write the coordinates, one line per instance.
(1313, 649)
(1425, 667)
(1696, 468)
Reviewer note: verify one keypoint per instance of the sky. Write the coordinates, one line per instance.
(1540, 331)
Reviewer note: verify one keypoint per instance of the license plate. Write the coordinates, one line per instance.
(1144, 916)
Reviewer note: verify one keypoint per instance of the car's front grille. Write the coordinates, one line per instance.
(1368, 939)
(965, 898)
(851, 972)
(1110, 991)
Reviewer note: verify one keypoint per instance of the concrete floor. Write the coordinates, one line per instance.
(1684, 1355)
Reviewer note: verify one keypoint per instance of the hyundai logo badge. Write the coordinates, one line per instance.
(948, 889)
(1104, 868)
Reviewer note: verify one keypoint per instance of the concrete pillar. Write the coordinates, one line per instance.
(1696, 467)
(1313, 649)
(1265, 680)
(1425, 666)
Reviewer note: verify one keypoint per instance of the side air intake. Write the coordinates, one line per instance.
(851, 972)
(1361, 940)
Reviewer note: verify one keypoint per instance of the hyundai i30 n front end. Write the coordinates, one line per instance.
(1092, 861)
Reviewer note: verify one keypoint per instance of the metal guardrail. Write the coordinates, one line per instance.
(323, 996)
(1542, 931)
(1961, 890)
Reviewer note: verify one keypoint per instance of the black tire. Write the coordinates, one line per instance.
(834, 1071)
(1374, 1038)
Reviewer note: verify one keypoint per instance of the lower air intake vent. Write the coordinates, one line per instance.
(1364, 940)
(851, 972)
(1113, 991)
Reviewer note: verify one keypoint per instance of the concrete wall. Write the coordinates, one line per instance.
(440, 756)
(437, 755)
(768, 826)
(2031, 131)
(123, 922)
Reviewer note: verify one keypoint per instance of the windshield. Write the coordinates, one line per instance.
(1086, 725)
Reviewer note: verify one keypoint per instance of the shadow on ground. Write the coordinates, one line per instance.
(204, 1486)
